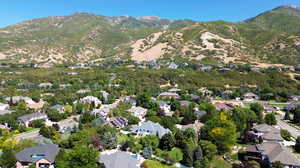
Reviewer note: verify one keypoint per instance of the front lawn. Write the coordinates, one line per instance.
(155, 164)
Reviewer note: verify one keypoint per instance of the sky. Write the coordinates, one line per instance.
(14, 11)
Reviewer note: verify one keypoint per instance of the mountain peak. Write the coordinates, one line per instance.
(288, 7)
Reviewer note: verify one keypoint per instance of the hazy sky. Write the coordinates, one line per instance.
(14, 11)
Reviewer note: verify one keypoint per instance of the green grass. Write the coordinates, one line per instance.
(218, 162)
(155, 164)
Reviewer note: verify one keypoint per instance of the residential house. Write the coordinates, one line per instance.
(268, 108)
(72, 73)
(165, 108)
(225, 70)
(105, 109)
(250, 96)
(45, 85)
(3, 112)
(58, 107)
(174, 90)
(17, 99)
(63, 86)
(36, 106)
(195, 97)
(267, 133)
(117, 159)
(28, 118)
(223, 106)
(130, 100)
(268, 153)
(4, 127)
(4, 106)
(118, 122)
(83, 91)
(169, 95)
(195, 126)
(292, 106)
(149, 128)
(68, 125)
(185, 103)
(105, 95)
(205, 68)
(294, 98)
(90, 100)
(200, 113)
(138, 112)
(42, 156)
(172, 65)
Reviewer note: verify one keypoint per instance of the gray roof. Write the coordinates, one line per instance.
(276, 152)
(264, 128)
(292, 106)
(151, 128)
(57, 107)
(29, 117)
(119, 159)
(3, 112)
(185, 102)
(162, 103)
(49, 151)
(272, 136)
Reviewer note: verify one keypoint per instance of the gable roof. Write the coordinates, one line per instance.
(29, 117)
(137, 110)
(115, 160)
(57, 107)
(49, 151)
(275, 152)
(151, 128)
(264, 128)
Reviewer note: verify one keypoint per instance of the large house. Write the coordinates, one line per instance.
(250, 96)
(45, 85)
(90, 100)
(117, 159)
(271, 152)
(165, 108)
(104, 109)
(138, 112)
(42, 156)
(169, 95)
(58, 107)
(4, 106)
(268, 133)
(149, 128)
(28, 118)
(16, 99)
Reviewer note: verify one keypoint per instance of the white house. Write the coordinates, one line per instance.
(138, 112)
(4, 106)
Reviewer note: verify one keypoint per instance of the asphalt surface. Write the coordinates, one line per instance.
(28, 135)
(283, 125)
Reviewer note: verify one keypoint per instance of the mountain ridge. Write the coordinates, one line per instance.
(84, 37)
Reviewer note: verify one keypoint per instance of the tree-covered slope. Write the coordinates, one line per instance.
(271, 37)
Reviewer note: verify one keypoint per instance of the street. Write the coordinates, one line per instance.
(283, 125)
(28, 135)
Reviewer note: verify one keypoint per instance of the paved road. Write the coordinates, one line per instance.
(283, 125)
(28, 135)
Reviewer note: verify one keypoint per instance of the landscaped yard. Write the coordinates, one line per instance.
(155, 164)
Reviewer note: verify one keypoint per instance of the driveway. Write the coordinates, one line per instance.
(28, 135)
(283, 125)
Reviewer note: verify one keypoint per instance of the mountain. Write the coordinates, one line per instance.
(271, 37)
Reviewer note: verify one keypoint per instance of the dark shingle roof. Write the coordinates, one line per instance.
(49, 151)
